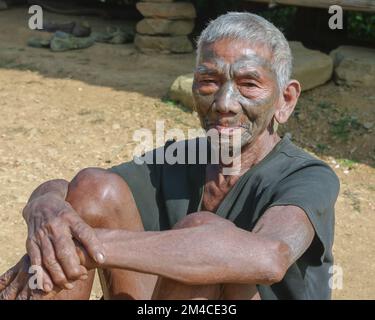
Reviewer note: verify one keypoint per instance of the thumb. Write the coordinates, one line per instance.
(87, 237)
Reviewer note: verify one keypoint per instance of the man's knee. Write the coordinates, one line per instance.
(96, 194)
(200, 218)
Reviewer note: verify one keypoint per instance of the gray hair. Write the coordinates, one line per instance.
(252, 28)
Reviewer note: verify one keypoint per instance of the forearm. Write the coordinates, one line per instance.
(199, 255)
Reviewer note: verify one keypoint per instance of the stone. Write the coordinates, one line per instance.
(113, 35)
(39, 42)
(354, 66)
(62, 41)
(311, 68)
(181, 92)
(175, 44)
(173, 10)
(368, 125)
(165, 27)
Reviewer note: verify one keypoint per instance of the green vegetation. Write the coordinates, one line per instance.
(175, 104)
(324, 105)
(355, 201)
(342, 127)
(321, 147)
(347, 163)
(169, 102)
(361, 25)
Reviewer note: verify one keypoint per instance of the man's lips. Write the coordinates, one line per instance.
(226, 129)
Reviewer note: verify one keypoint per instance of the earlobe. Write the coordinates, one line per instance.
(280, 115)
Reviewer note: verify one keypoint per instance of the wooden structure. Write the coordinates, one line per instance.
(352, 5)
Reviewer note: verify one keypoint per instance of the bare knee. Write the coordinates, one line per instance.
(97, 194)
(200, 218)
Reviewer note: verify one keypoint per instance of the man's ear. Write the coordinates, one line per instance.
(288, 101)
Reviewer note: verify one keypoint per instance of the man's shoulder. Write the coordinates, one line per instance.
(291, 150)
(293, 161)
(298, 156)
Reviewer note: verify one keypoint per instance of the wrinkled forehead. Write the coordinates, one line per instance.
(235, 54)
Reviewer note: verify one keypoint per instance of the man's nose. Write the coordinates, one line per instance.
(226, 100)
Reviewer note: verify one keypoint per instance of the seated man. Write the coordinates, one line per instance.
(189, 231)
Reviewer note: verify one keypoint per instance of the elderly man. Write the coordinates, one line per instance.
(190, 231)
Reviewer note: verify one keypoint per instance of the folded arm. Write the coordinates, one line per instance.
(215, 251)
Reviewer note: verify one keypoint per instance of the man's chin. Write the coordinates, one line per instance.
(228, 142)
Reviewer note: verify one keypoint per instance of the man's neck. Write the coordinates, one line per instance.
(219, 182)
(252, 154)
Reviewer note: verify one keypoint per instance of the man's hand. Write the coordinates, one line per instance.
(14, 284)
(52, 225)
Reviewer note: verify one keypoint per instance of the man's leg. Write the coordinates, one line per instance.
(98, 209)
(90, 194)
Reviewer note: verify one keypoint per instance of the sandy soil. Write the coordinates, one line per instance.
(63, 112)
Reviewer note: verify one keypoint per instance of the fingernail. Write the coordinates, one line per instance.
(99, 257)
(47, 287)
(84, 277)
(69, 286)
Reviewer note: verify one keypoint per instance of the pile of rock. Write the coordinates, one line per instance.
(166, 26)
(354, 66)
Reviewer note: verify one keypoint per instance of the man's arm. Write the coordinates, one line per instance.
(215, 252)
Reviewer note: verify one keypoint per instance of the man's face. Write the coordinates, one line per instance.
(234, 87)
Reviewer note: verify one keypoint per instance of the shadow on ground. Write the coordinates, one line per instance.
(117, 66)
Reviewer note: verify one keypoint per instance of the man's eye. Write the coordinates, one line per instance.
(248, 84)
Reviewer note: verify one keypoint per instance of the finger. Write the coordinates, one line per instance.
(9, 293)
(40, 279)
(47, 281)
(35, 255)
(84, 258)
(24, 293)
(33, 251)
(12, 289)
(8, 277)
(67, 257)
(86, 235)
(52, 266)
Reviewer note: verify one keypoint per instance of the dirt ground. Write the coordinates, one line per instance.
(66, 111)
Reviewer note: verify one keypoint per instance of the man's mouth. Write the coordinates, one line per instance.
(226, 129)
